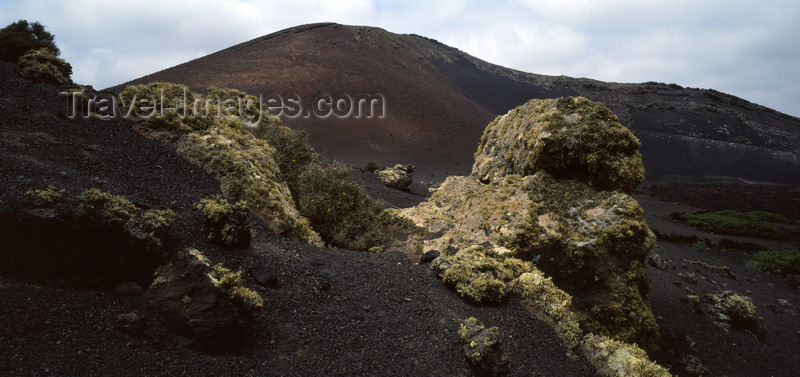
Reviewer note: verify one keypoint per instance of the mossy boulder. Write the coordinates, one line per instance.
(569, 137)
(483, 348)
(203, 302)
(549, 186)
(731, 310)
(397, 177)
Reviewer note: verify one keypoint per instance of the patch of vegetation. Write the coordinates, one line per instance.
(371, 166)
(788, 262)
(736, 310)
(700, 246)
(226, 223)
(249, 172)
(231, 282)
(44, 66)
(94, 201)
(20, 37)
(45, 197)
(339, 209)
(736, 223)
(167, 105)
(479, 275)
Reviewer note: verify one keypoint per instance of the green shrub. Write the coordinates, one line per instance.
(20, 37)
(293, 154)
(786, 261)
(94, 200)
(338, 208)
(371, 166)
(700, 246)
(44, 66)
(735, 223)
(226, 223)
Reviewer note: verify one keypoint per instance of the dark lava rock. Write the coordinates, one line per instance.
(188, 299)
(429, 256)
(265, 275)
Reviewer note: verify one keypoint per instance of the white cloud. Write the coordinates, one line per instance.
(748, 49)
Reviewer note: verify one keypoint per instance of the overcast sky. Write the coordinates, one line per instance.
(750, 49)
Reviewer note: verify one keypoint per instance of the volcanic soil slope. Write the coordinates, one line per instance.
(332, 311)
(439, 99)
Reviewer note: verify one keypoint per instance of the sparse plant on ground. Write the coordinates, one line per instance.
(737, 223)
(43, 197)
(371, 166)
(226, 223)
(700, 246)
(95, 200)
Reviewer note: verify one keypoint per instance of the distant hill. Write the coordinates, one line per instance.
(439, 100)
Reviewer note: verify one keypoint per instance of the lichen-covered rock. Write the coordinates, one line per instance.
(247, 171)
(592, 243)
(204, 303)
(397, 177)
(483, 348)
(566, 137)
(477, 275)
(618, 359)
(548, 186)
(729, 309)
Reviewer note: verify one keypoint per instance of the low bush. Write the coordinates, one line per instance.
(43, 197)
(44, 66)
(226, 223)
(786, 261)
(371, 166)
(736, 224)
(338, 208)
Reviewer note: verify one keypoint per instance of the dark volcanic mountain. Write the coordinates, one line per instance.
(439, 100)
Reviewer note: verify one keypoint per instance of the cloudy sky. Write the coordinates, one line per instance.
(750, 49)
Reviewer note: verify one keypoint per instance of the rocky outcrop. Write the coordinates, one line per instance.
(204, 303)
(483, 350)
(571, 138)
(731, 310)
(549, 186)
(96, 238)
(397, 177)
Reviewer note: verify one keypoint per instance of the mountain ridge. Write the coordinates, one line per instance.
(439, 99)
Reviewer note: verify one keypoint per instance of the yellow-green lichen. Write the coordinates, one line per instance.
(567, 137)
(620, 359)
(479, 275)
(118, 206)
(44, 197)
(231, 282)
